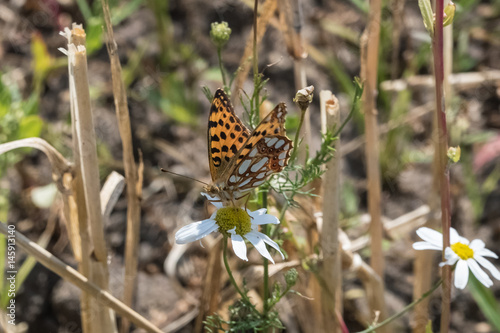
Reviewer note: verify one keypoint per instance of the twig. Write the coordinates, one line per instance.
(268, 9)
(86, 187)
(133, 179)
(329, 238)
(71, 275)
(459, 81)
(369, 66)
(441, 152)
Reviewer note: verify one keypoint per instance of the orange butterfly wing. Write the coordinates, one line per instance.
(240, 160)
(226, 134)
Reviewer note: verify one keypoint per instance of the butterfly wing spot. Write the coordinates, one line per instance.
(280, 143)
(261, 175)
(272, 141)
(244, 167)
(245, 182)
(256, 167)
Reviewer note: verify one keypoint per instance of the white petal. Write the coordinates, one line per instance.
(454, 236)
(487, 253)
(479, 273)
(213, 200)
(257, 213)
(239, 246)
(488, 265)
(476, 245)
(253, 237)
(273, 244)
(431, 236)
(426, 246)
(265, 219)
(461, 274)
(450, 256)
(195, 231)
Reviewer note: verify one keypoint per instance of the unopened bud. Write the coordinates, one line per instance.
(304, 97)
(454, 154)
(291, 277)
(449, 14)
(220, 33)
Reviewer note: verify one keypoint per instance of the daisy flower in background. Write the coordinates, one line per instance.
(236, 223)
(467, 255)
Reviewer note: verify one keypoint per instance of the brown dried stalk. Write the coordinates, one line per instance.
(86, 188)
(329, 239)
(369, 67)
(267, 12)
(69, 274)
(133, 178)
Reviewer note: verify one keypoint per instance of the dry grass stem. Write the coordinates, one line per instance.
(459, 81)
(397, 228)
(291, 23)
(369, 67)
(134, 181)
(95, 316)
(331, 272)
(71, 275)
(266, 13)
(209, 303)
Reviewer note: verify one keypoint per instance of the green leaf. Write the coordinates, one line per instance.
(486, 301)
(94, 35)
(29, 127)
(427, 15)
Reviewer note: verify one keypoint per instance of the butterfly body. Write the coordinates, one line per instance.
(241, 160)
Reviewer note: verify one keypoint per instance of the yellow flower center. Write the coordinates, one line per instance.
(463, 251)
(229, 217)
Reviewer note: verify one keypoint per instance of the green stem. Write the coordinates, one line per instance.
(222, 72)
(296, 139)
(265, 230)
(231, 277)
(406, 309)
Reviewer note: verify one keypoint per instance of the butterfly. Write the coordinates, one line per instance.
(240, 159)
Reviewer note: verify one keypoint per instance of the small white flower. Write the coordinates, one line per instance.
(236, 223)
(462, 252)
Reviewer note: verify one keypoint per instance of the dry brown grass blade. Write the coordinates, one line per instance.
(267, 12)
(134, 181)
(86, 187)
(211, 289)
(75, 205)
(291, 19)
(369, 67)
(71, 275)
(330, 271)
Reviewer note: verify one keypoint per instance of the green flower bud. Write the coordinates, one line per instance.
(291, 277)
(454, 154)
(449, 14)
(220, 33)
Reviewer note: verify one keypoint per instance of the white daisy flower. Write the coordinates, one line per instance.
(236, 223)
(467, 255)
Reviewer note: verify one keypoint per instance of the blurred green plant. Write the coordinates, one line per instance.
(94, 20)
(18, 118)
(486, 301)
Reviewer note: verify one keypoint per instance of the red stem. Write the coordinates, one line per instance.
(442, 149)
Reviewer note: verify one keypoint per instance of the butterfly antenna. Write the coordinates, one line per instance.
(176, 174)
